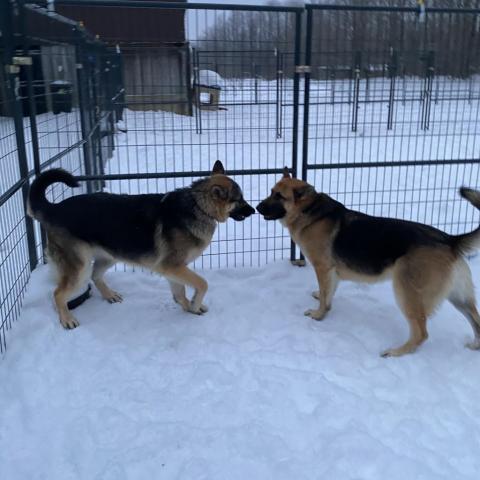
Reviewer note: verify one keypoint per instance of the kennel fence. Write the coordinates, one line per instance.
(374, 105)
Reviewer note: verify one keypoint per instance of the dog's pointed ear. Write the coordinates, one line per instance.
(303, 191)
(218, 168)
(286, 173)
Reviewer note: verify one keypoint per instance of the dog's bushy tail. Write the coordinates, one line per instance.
(469, 241)
(38, 204)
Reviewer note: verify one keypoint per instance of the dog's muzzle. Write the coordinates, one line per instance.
(241, 211)
(271, 210)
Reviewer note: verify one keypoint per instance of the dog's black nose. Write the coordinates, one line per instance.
(250, 210)
(261, 207)
(242, 211)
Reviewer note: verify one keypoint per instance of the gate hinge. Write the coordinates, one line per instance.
(22, 60)
(303, 69)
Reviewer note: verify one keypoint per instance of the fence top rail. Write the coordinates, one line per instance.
(178, 5)
(386, 8)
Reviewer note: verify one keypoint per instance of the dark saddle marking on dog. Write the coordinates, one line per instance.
(371, 244)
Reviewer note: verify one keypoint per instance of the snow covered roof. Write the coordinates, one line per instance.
(209, 78)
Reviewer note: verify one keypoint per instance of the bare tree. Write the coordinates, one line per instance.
(343, 38)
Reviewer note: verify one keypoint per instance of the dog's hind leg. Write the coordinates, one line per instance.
(411, 302)
(417, 321)
(182, 276)
(421, 279)
(73, 265)
(100, 266)
(470, 312)
(462, 297)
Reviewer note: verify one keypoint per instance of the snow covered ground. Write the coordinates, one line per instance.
(253, 389)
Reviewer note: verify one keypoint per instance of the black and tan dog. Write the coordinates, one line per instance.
(425, 264)
(162, 232)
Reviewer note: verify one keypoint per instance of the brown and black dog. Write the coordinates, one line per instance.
(425, 264)
(161, 232)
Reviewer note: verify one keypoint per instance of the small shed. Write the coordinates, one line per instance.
(208, 86)
(155, 53)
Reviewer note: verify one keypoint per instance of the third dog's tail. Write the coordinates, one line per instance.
(469, 241)
(38, 205)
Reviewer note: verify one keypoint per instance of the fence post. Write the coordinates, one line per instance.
(277, 94)
(196, 86)
(255, 76)
(188, 80)
(82, 105)
(32, 107)
(392, 68)
(281, 97)
(356, 90)
(97, 114)
(12, 13)
(427, 92)
(306, 107)
(296, 95)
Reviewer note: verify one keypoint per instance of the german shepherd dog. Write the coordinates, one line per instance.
(162, 232)
(425, 264)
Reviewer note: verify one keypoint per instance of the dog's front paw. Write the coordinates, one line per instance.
(113, 297)
(316, 314)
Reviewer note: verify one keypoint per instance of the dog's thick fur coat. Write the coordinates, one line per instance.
(425, 264)
(162, 232)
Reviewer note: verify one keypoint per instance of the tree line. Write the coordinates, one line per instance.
(259, 43)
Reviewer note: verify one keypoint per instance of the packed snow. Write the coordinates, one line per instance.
(253, 389)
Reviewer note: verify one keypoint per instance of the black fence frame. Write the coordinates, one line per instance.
(98, 68)
(96, 108)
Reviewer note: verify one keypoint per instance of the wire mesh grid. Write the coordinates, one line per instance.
(208, 92)
(393, 112)
(14, 259)
(388, 112)
(40, 127)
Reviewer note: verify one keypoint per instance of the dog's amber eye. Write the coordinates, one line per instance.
(278, 196)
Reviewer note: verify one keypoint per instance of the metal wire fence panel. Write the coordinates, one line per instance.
(14, 262)
(392, 104)
(44, 122)
(377, 106)
(220, 88)
(14, 252)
